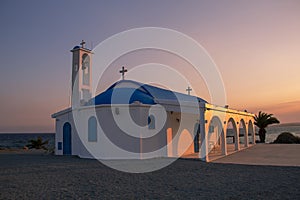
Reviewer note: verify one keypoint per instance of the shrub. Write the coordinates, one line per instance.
(287, 138)
(37, 144)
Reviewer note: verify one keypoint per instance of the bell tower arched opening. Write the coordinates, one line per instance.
(81, 75)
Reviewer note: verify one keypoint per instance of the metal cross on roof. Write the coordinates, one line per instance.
(123, 71)
(189, 90)
(82, 43)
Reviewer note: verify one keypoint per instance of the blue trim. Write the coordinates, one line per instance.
(59, 146)
(76, 47)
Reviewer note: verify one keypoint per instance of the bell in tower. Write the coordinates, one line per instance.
(81, 75)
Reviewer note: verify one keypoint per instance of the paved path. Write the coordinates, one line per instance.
(266, 154)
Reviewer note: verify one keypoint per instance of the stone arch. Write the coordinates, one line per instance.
(251, 132)
(215, 137)
(231, 135)
(185, 145)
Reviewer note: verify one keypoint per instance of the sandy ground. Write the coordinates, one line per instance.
(41, 176)
(266, 154)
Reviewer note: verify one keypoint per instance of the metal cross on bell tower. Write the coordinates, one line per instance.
(82, 43)
(189, 90)
(123, 71)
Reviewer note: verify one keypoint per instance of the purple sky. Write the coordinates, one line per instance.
(255, 44)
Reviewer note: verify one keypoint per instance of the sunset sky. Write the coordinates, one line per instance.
(255, 44)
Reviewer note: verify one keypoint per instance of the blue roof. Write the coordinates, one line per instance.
(128, 91)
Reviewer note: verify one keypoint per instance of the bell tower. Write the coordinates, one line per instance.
(81, 75)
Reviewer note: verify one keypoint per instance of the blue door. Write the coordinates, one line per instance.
(67, 145)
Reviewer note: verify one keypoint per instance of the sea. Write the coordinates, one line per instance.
(274, 130)
(19, 140)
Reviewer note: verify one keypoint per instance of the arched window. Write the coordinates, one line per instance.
(92, 129)
(151, 122)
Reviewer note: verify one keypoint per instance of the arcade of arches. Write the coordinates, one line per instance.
(222, 132)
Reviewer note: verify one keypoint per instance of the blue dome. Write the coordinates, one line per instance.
(122, 96)
(143, 93)
(76, 47)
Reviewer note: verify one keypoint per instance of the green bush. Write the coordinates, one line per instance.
(287, 138)
(37, 144)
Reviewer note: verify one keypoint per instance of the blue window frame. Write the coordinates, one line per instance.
(92, 129)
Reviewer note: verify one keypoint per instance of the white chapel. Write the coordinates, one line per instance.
(133, 120)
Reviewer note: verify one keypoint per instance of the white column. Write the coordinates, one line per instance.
(246, 136)
(224, 143)
(237, 139)
(204, 147)
(170, 142)
(203, 153)
(253, 133)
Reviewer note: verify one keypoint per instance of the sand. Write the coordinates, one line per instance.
(266, 154)
(42, 176)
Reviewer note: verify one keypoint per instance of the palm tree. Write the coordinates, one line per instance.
(262, 121)
(38, 144)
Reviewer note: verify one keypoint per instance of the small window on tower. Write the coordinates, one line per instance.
(76, 67)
